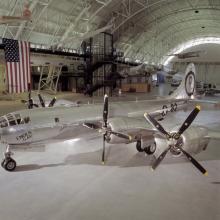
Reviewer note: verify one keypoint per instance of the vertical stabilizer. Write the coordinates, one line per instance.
(187, 87)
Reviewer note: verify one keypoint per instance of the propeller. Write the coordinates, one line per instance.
(52, 102)
(175, 141)
(105, 125)
(31, 103)
(107, 131)
(41, 100)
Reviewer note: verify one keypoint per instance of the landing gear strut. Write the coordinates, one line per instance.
(149, 149)
(8, 163)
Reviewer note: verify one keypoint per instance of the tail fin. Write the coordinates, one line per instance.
(187, 88)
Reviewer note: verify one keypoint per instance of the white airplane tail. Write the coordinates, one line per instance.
(187, 88)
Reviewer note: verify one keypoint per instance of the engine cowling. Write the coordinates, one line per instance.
(124, 125)
(193, 141)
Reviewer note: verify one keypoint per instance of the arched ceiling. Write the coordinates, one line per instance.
(145, 30)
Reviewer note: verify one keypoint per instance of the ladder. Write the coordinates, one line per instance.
(49, 79)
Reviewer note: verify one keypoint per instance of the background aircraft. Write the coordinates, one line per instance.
(17, 19)
(187, 54)
(148, 69)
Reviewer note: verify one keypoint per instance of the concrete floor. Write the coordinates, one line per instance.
(67, 181)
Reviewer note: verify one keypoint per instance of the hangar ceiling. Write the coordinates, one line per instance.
(145, 30)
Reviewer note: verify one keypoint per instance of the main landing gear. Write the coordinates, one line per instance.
(148, 149)
(8, 163)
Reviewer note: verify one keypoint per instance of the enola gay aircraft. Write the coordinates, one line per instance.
(118, 122)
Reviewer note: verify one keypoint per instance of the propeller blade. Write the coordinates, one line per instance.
(41, 100)
(121, 135)
(52, 102)
(29, 95)
(103, 149)
(30, 103)
(160, 158)
(188, 121)
(194, 162)
(105, 110)
(157, 125)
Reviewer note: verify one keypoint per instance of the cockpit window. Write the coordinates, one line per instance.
(11, 119)
(19, 120)
(3, 122)
(26, 120)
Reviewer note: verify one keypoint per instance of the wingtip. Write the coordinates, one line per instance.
(198, 107)
(206, 173)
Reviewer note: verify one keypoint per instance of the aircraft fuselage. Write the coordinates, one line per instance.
(48, 123)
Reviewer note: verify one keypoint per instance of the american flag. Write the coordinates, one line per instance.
(17, 57)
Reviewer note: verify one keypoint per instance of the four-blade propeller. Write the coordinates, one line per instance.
(175, 140)
(107, 130)
(30, 102)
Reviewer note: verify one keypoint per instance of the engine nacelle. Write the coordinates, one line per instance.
(193, 139)
(124, 125)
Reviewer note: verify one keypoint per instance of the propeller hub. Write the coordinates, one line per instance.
(171, 142)
(175, 142)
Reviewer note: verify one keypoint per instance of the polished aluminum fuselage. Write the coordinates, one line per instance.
(51, 123)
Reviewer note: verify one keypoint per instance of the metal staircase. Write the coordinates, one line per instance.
(100, 65)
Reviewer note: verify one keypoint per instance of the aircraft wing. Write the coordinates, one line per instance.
(132, 127)
(212, 134)
(209, 103)
(67, 103)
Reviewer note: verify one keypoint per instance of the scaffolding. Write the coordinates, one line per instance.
(49, 77)
(100, 64)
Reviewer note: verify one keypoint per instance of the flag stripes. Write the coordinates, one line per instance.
(17, 56)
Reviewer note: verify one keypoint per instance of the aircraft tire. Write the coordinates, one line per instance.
(138, 146)
(2, 163)
(9, 164)
(150, 149)
(175, 107)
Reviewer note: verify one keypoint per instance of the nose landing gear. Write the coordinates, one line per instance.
(8, 163)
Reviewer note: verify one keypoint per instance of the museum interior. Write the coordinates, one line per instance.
(110, 109)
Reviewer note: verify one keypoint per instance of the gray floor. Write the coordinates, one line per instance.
(67, 181)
